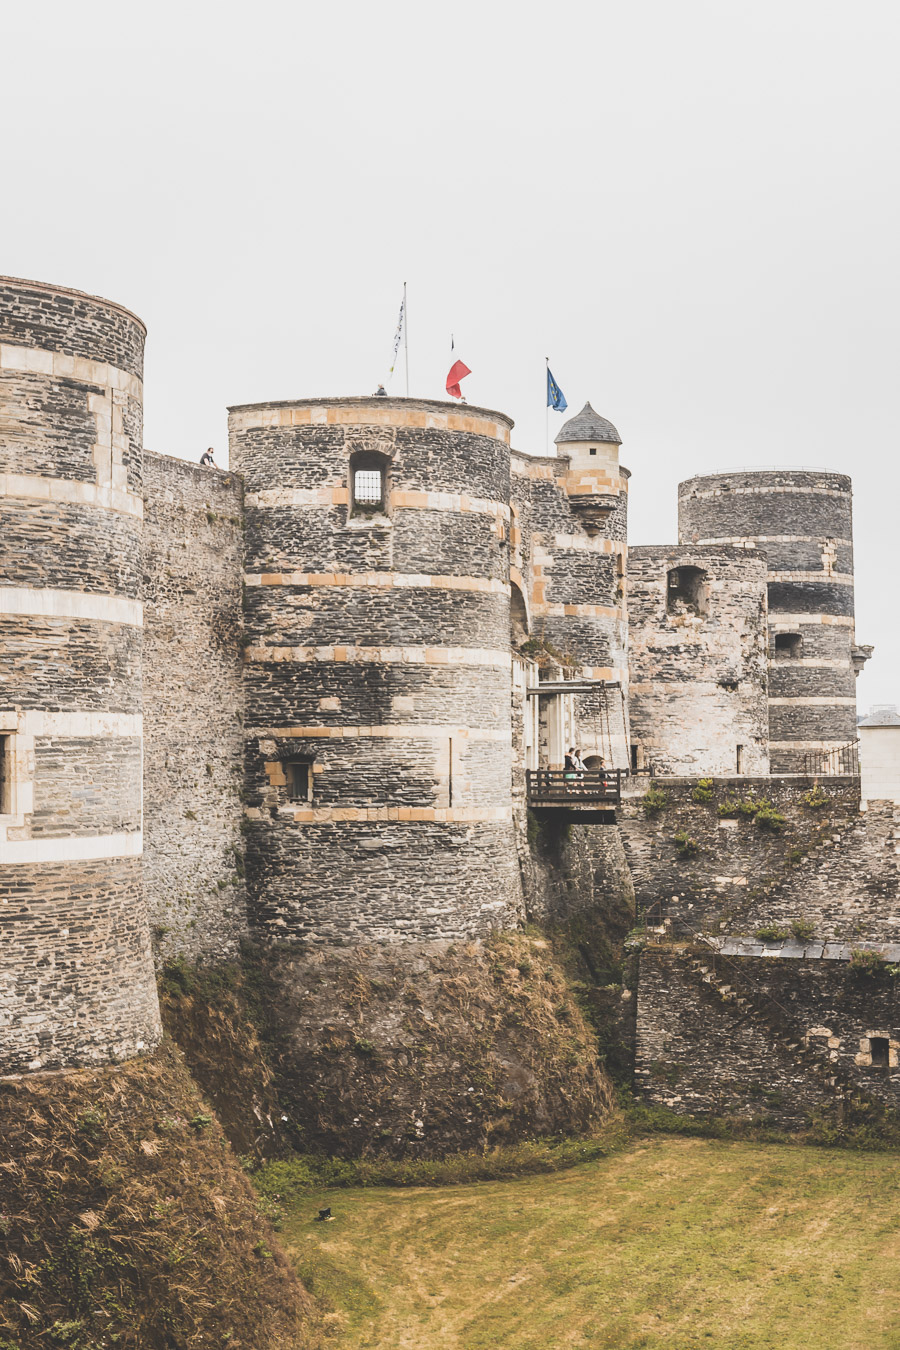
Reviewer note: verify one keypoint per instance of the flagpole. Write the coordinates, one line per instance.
(406, 338)
(547, 408)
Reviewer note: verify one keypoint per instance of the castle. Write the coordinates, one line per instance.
(313, 699)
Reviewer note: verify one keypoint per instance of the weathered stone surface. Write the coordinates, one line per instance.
(698, 686)
(193, 709)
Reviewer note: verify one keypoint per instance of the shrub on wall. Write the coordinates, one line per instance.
(654, 800)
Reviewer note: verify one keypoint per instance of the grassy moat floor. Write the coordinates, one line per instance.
(671, 1242)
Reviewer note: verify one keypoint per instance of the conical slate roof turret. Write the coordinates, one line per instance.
(588, 426)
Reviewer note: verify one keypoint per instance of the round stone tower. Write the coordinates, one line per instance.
(802, 520)
(76, 977)
(378, 669)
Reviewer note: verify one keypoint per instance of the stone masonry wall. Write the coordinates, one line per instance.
(726, 866)
(378, 658)
(76, 976)
(783, 1040)
(802, 519)
(698, 673)
(193, 708)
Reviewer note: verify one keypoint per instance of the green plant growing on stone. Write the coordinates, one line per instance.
(654, 800)
(768, 818)
(815, 799)
(702, 790)
(771, 933)
(803, 929)
(687, 847)
(865, 961)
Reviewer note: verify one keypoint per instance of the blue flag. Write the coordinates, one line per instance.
(555, 396)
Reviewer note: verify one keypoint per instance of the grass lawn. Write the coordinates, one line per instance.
(672, 1242)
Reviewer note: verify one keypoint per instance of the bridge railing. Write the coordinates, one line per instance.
(566, 787)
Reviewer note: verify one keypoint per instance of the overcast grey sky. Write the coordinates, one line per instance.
(690, 206)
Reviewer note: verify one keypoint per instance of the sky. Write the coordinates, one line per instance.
(691, 208)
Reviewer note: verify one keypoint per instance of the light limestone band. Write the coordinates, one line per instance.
(58, 604)
(37, 722)
(71, 492)
(72, 848)
(313, 815)
(339, 495)
(777, 620)
(741, 540)
(837, 578)
(761, 491)
(379, 580)
(354, 415)
(406, 731)
(815, 702)
(413, 656)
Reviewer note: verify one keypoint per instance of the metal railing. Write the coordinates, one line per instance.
(565, 787)
(843, 760)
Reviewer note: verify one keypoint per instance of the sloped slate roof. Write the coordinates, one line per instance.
(884, 716)
(588, 426)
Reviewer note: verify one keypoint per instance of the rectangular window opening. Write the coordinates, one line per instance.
(740, 759)
(299, 775)
(6, 775)
(368, 487)
(881, 1048)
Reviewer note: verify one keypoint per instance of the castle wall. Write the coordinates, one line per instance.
(802, 519)
(781, 1040)
(76, 979)
(193, 708)
(378, 656)
(698, 671)
(696, 868)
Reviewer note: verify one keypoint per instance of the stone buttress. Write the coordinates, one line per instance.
(76, 978)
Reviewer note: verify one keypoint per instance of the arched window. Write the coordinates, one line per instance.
(687, 591)
(787, 646)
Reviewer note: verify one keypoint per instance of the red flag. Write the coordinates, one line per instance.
(458, 371)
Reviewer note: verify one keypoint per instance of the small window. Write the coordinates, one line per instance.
(299, 775)
(740, 760)
(787, 646)
(368, 487)
(6, 775)
(881, 1051)
(686, 591)
(593, 450)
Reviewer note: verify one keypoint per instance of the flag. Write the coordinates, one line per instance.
(399, 332)
(458, 371)
(555, 396)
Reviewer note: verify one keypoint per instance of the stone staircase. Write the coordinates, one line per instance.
(747, 1002)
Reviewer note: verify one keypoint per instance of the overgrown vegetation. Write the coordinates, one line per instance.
(803, 929)
(759, 809)
(654, 800)
(127, 1223)
(772, 932)
(687, 847)
(865, 961)
(816, 798)
(702, 790)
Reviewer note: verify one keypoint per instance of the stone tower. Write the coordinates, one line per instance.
(584, 596)
(76, 979)
(802, 520)
(378, 672)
